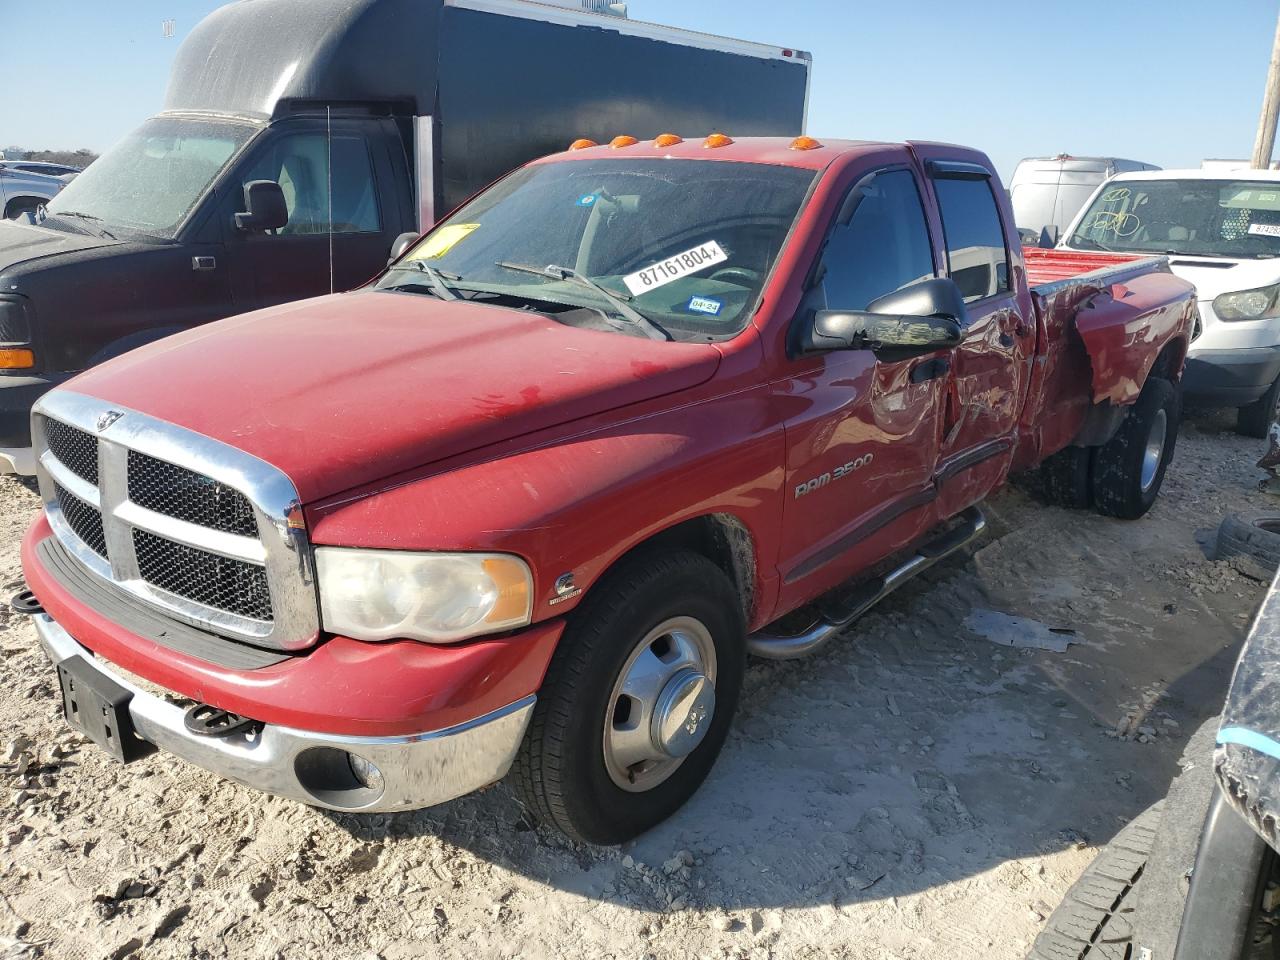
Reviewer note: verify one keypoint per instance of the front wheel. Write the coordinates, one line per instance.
(637, 700)
(1255, 419)
(1129, 469)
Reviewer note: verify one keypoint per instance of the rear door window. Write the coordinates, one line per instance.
(976, 256)
(884, 247)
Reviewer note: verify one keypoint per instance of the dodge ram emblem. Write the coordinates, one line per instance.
(108, 418)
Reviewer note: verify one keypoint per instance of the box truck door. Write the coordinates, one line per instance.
(344, 208)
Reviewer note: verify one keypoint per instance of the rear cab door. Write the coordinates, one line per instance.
(991, 368)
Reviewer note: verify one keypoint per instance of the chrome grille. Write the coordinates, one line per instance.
(220, 582)
(85, 520)
(75, 449)
(187, 495)
(207, 533)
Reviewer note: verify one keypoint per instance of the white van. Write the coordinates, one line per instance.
(1221, 230)
(1049, 191)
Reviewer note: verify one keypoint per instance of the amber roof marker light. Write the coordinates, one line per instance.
(717, 140)
(667, 140)
(583, 144)
(805, 143)
(623, 141)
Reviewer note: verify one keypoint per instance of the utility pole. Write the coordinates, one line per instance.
(1266, 138)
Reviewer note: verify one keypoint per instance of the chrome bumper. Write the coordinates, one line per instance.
(415, 770)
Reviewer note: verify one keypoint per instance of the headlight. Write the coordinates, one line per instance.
(436, 597)
(1260, 304)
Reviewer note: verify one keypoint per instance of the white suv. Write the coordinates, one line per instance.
(1221, 231)
(25, 185)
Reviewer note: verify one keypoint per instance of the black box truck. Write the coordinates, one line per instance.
(299, 138)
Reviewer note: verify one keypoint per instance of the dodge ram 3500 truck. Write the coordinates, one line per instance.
(528, 501)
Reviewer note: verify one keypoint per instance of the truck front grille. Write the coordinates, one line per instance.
(220, 582)
(206, 533)
(75, 449)
(84, 520)
(177, 492)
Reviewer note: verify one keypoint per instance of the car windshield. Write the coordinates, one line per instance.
(687, 244)
(1214, 218)
(148, 182)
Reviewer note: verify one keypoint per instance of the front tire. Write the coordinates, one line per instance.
(1129, 469)
(637, 701)
(1255, 419)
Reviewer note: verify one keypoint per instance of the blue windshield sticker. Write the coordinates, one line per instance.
(586, 200)
(704, 305)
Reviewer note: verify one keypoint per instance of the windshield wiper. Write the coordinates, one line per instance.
(437, 280)
(84, 216)
(1077, 241)
(628, 312)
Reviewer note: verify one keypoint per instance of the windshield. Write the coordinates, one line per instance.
(1216, 218)
(687, 244)
(148, 182)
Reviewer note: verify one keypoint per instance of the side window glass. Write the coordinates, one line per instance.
(976, 255)
(883, 248)
(300, 164)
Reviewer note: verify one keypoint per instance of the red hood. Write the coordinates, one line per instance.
(345, 390)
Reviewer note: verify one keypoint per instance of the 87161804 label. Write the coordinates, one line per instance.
(673, 268)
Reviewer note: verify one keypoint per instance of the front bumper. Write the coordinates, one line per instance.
(1230, 378)
(416, 770)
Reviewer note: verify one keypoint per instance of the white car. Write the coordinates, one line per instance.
(1048, 192)
(25, 185)
(1221, 231)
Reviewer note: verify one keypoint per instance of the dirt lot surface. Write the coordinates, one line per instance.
(917, 791)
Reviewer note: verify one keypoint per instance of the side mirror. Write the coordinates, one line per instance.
(403, 243)
(918, 319)
(1049, 237)
(265, 208)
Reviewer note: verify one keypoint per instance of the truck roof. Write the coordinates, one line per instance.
(774, 150)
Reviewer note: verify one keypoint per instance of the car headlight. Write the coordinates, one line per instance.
(1260, 304)
(436, 597)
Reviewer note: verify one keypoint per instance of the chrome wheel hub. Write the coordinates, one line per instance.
(1154, 450)
(661, 705)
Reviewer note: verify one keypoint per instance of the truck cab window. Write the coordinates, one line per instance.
(976, 255)
(299, 163)
(884, 247)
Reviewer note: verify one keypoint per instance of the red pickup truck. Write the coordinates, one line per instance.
(527, 502)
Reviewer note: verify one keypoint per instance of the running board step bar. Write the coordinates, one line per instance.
(835, 617)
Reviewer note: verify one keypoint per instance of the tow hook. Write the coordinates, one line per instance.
(206, 721)
(26, 604)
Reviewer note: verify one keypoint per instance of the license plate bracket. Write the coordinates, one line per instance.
(98, 707)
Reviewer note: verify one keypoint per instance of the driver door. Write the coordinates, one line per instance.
(862, 448)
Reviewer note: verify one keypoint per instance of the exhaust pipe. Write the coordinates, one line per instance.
(771, 646)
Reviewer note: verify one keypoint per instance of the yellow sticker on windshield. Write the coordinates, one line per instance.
(442, 241)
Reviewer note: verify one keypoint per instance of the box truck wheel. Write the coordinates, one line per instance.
(1255, 419)
(1129, 468)
(637, 700)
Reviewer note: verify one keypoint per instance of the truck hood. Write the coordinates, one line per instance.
(345, 390)
(23, 242)
(1214, 276)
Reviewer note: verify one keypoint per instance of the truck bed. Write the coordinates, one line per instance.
(1050, 266)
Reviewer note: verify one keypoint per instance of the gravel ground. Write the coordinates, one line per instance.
(915, 791)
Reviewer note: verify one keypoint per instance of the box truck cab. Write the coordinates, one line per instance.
(1221, 231)
(1047, 192)
(299, 138)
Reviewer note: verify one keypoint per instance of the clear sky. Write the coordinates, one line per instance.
(1169, 82)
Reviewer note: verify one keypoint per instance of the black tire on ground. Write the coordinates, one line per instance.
(1252, 542)
(1118, 465)
(1063, 480)
(1095, 918)
(1255, 419)
(560, 772)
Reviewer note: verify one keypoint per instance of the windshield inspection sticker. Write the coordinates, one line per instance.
(1265, 229)
(587, 200)
(704, 305)
(442, 241)
(673, 268)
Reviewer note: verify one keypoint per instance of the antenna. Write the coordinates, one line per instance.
(328, 126)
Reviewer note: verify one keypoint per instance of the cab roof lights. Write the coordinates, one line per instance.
(667, 140)
(583, 144)
(805, 143)
(623, 141)
(717, 140)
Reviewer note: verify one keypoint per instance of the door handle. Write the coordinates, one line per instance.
(930, 369)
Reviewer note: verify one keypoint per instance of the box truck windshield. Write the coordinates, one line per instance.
(1207, 218)
(148, 183)
(687, 243)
